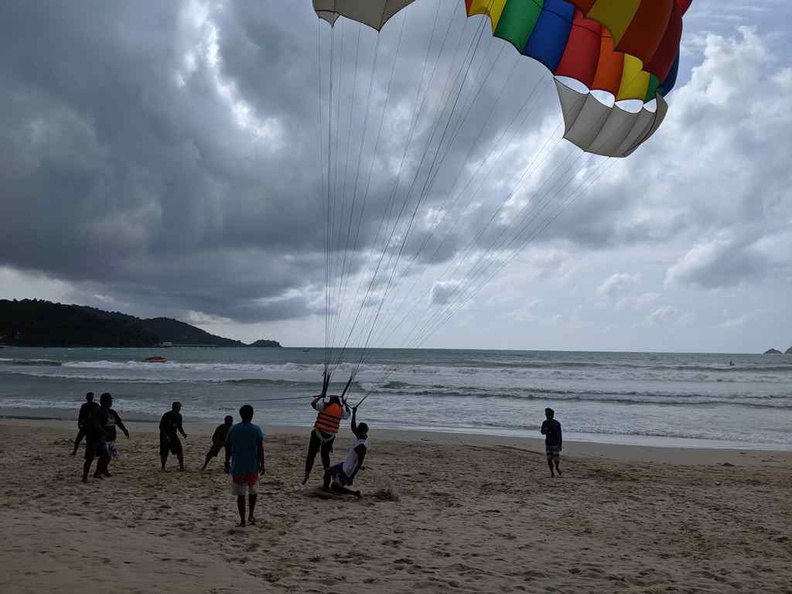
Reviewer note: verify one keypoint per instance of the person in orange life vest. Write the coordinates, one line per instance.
(331, 413)
(343, 474)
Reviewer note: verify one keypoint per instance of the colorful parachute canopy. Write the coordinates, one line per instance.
(628, 48)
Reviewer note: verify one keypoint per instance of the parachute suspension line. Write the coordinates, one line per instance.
(322, 178)
(375, 60)
(528, 170)
(387, 100)
(481, 266)
(418, 203)
(420, 86)
(455, 264)
(600, 170)
(345, 249)
(527, 108)
(335, 247)
(368, 184)
(474, 272)
(448, 90)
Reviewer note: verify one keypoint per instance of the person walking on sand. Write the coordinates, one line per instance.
(551, 429)
(325, 429)
(101, 437)
(169, 427)
(246, 442)
(343, 474)
(219, 443)
(86, 410)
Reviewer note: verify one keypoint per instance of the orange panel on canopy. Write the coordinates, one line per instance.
(609, 67)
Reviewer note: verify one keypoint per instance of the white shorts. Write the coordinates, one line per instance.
(241, 486)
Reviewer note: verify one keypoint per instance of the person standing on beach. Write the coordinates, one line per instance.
(219, 443)
(86, 410)
(101, 436)
(246, 443)
(343, 474)
(331, 413)
(551, 429)
(170, 426)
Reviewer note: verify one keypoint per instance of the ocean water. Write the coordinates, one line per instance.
(646, 398)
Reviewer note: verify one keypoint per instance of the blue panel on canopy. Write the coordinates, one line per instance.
(549, 38)
(670, 80)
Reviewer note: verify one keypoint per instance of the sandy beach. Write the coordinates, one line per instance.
(440, 513)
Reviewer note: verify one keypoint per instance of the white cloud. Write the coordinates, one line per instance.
(618, 284)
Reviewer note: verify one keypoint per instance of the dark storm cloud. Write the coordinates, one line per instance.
(167, 154)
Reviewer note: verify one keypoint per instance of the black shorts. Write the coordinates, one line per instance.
(338, 475)
(95, 449)
(170, 443)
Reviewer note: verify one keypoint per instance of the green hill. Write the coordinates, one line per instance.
(33, 322)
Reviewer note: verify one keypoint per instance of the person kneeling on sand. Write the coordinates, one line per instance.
(219, 443)
(331, 413)
(246, 442)
(337, 478)
(551, 429)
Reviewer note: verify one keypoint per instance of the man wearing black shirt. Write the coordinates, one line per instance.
(170, 424)
(86, 410)
(100, 436)
(219, 443)
(551, 429)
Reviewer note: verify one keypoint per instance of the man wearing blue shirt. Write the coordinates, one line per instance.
(245, 441)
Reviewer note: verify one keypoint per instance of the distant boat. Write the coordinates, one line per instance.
(306, 350)
(155, 359)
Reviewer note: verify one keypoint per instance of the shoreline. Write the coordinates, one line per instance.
(572, 449)
(608, 445)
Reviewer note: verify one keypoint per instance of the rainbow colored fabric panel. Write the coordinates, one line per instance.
(629, 48)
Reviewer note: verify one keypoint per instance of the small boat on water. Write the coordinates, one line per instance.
(155, 359)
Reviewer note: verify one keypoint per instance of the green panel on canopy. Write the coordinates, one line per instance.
(518, 20)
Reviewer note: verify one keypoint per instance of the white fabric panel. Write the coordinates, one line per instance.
(620, 123)
(572, 102)
(374, 13)
(642, 125)
(657, 119)
(606, 130)
(587, 125)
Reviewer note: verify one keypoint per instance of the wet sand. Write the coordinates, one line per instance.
(440, 513)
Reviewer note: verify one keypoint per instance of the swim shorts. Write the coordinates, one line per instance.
(552, 451)
(170, 443)
(243, 484)
(339, 476)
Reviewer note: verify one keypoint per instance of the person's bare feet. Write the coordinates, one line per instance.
(242, 524)
(251, 521)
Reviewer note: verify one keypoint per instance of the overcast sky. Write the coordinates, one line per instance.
(169, 158)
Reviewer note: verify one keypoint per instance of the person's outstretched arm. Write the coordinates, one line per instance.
(120, 423)
(354, 422)
(180, 428)
(315, 403)
(544, 427)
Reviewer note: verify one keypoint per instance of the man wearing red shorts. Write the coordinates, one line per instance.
(245, 440)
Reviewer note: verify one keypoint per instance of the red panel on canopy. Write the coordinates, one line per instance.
(645, 32)
(581, 55)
